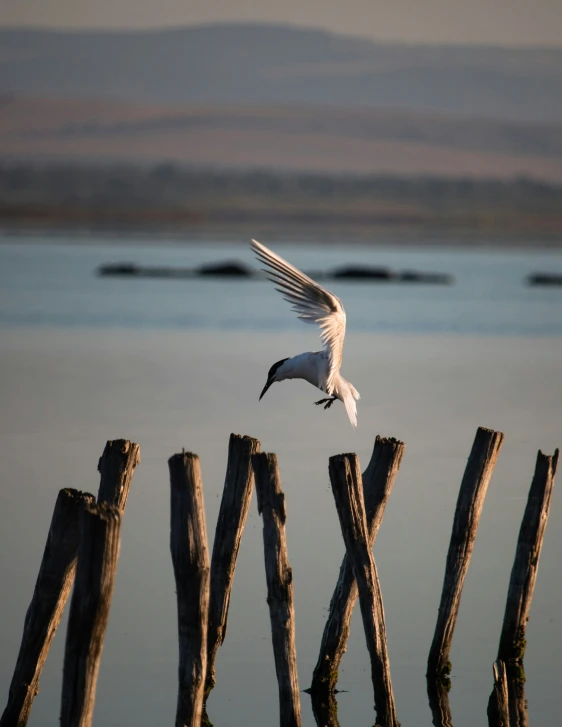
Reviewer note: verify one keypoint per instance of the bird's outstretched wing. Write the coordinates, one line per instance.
(312, 302)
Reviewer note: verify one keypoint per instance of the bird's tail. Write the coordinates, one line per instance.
(351, 408)
(354, 391)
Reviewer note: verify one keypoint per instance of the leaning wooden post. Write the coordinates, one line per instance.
(498, 704)
(271, 505)
(190, 558)
(526, 563)
(378, 480)
(98, 551)
(522, 582)
(116, 467)
(44, 614)
(479, 468)
(236, 496)
(345, 477)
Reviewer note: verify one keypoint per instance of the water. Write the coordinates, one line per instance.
(54, 285)
(181, 363)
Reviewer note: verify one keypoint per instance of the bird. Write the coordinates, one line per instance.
(316, 305)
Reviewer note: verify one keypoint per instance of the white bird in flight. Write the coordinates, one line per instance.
(313, 304)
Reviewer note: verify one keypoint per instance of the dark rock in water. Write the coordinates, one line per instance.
(545, 279)
(225, 270)
(119, 269)
(233, 269)
(363, 272)
(222, 270)
(412, 276)
(130, 269)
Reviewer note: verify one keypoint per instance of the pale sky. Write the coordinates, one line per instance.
(504, 22)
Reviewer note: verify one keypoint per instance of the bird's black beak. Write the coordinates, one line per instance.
(266, 387)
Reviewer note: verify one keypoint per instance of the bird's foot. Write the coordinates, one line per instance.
(327, 402)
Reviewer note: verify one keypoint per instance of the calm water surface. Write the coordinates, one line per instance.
(176, 364)
(54, 285)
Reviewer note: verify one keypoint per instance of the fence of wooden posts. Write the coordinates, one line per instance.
(83, 545)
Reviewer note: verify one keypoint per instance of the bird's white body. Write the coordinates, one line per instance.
(314, 304)
(313, 366)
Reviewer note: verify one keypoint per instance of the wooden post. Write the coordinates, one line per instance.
(236, 496)
(44, 614)
(98, 551)
(498, 704)
(526, 563)
(271, 505)
(345, 477)
(116, 467)
(522, 583)
(378, 480)
(190, 558)
(479, 468)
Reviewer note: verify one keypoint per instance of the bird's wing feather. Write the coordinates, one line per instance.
(312, 303)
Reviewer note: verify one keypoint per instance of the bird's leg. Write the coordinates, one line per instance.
(328, 402)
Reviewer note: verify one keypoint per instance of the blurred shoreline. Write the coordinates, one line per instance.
(235, 234)
(180, 202)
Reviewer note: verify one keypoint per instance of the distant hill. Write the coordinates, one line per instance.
(292, 138)
(263, 65)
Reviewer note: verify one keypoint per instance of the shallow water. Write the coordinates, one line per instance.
(175, 364)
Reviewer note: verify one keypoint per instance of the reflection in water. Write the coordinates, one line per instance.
(518, 716)
(507, 706)
(324, 707)
(498, 703)
(438, 693)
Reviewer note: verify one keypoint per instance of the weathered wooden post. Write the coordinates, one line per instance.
(378, 480)
(477, 475)
(271, 505)
(522, 582)
(44, 614)
(116, 467)
(236, 496)
(526, 563)
(498, 704)
(190, 558)
(345, 477)
(98, 551)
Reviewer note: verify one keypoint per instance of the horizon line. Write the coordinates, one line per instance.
(154, 29)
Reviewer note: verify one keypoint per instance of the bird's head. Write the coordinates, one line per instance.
(273, 375)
